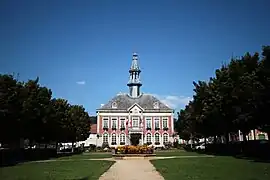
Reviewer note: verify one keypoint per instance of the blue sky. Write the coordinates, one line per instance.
(65, 42)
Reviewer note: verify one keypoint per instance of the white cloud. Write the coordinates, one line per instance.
(174, 102)
(81, 82)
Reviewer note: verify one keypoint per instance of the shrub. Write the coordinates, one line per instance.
(157, 143)
(105, 145)
(168, 145)
(148, 143)
(135, 149)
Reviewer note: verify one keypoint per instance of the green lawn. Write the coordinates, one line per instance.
(88, 156)
(56, 170)
(212, 168)
(176, 153)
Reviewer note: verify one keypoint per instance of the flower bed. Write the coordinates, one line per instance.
(134, 149)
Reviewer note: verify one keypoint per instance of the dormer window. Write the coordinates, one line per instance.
(156, 105)
(114, 105)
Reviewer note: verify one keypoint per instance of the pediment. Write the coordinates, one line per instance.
(135, 108)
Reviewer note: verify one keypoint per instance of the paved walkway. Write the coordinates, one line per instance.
(136, 169)
(132, 170)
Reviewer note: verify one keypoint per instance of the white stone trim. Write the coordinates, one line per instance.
(133, 105)
(172, 124)
(98, 123)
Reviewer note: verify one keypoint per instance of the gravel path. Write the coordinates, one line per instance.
(132, 170)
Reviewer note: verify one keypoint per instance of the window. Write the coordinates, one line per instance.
(148, 122)
(165, 137)
(122, 121)
(105, 138)
(135, 122)
(122, 138)
(148, 138)
(156, 105)
(156, 122)
(165, 122)
(113, 139)
(114, 105)
(156, 137)
(105, 122)
(114, 123)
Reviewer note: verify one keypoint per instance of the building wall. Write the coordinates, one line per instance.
(92, 139)
(253, 135)
(143, 116)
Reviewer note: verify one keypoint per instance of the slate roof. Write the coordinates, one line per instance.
(124, 101)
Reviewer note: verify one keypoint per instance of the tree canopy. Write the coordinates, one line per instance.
(28, 111)
(236, 98)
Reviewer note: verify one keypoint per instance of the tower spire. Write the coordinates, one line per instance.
(134, 83)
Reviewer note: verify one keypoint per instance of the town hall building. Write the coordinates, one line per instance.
(135, 118)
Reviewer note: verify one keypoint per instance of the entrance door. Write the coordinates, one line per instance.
(135, 139)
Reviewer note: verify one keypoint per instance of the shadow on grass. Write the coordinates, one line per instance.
(258, 157)
(12, 158)
(83, 178)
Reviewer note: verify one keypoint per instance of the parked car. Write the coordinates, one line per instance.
(201, 146)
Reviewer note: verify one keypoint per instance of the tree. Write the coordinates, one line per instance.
(79, 123)
(264, 105)
(93, 119)
(37, 112)
(10, 109)
(237, 98)
(27, 111)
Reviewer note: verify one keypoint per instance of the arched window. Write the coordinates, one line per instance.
(165, 137)
(148, 138)
(113, 139)
(156, 105)
(122, 138)
(105, 138)
(114, 105)
(156, 137)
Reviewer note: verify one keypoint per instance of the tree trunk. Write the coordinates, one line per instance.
(227, 138)
(244, 136)
(215, 139)
(56, 146)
